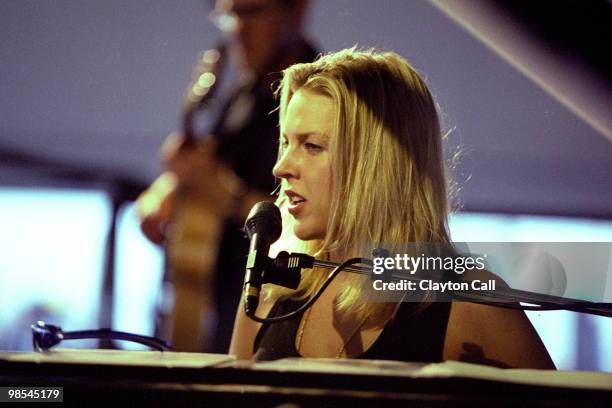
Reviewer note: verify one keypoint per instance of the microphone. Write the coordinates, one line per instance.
(263, 226)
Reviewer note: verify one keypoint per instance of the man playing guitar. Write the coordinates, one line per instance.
(217, 180)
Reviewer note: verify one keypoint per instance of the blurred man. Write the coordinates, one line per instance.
(229, 172)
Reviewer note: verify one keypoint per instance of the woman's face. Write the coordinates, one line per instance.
(304, 165)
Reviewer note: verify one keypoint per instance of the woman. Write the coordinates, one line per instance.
(361, 161)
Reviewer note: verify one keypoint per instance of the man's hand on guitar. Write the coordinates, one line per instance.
(195, 172)
(202, 176)
(155, 206)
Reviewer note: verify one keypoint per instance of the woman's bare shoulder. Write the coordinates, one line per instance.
(494, 336)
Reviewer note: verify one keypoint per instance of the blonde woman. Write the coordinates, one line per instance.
(360, 161)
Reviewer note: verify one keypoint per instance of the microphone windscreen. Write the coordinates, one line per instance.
(264, 218)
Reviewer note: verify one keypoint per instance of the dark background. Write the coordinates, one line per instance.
(98, 84)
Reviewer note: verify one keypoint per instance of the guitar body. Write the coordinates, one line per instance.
(191, 251)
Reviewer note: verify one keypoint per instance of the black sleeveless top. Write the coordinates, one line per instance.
(410, 336)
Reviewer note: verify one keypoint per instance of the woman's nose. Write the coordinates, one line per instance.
(286, 166)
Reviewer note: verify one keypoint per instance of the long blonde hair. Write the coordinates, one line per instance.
(389, 183)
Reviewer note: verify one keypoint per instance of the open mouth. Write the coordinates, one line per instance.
(296, 199)
(296, 202)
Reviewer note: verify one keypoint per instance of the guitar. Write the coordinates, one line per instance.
(194, 231)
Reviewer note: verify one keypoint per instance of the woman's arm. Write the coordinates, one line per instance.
(245, 329)
(495, 336)
(243, 335)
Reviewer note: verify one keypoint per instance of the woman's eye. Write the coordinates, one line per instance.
(284, 143)
(312, 146)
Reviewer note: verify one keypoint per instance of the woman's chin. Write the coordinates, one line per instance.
(300, 234)
(307, 234)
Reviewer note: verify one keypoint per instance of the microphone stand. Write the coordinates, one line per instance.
(286, 268)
